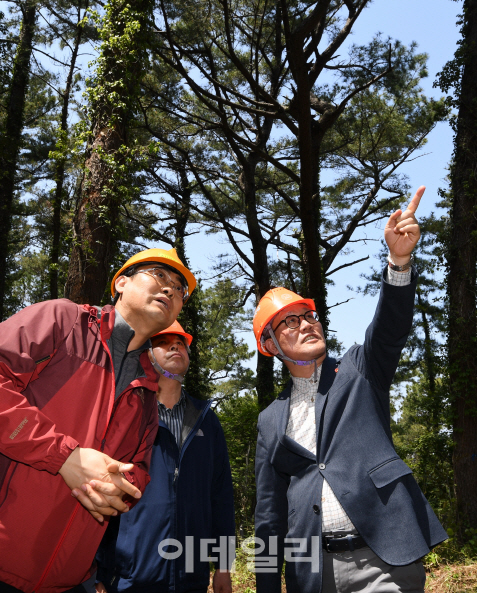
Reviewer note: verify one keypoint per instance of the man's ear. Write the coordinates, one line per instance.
(119, 284)
(270, 346)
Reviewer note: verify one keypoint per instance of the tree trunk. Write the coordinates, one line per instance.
(95, 222)
(429, 357)
(462, 260)
(265, 384)
(109, 169)
(10, 143)
(309, 143)
(264, 380)
(196, 381)
(310, 215)
(60, 168)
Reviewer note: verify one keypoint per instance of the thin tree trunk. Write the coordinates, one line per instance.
(264, 380)
(10, 144)
(462, 260)
(196, 381)
(430, 364)
(60, 167)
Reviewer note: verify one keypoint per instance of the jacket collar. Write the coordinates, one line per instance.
(107, 321)
(108, 318)
(282, 407)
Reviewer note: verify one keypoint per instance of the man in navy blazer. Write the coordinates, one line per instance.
(333, 497)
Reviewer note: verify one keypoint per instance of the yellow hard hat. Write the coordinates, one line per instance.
(163, 256)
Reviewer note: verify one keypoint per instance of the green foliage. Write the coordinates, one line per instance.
(220, 372)
(5, 48)
(380, 130)
(17, 294)
(423, 439)
(123, 31)
(238, 417)
(31, 286)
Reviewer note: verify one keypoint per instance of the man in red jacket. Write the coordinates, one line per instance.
(78, 419)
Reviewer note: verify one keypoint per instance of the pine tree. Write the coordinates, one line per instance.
(10, 141)
(461, 254)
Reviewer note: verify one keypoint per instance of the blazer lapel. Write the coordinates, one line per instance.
(326, 381)
(327, 375)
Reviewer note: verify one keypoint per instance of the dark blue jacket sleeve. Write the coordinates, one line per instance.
(271, 514)
(386, 336)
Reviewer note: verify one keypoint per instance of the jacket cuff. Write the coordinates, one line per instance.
(67, 447)
(410, 276)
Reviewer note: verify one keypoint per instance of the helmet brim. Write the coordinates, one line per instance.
(164, 259)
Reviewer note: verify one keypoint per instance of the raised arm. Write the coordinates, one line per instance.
(386, 336)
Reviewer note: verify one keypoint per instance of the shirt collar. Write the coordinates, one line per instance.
(123, 333)
(302, 385)
(180, 403)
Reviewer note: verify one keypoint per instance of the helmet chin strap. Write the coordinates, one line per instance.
(159, 369)
(282, 356)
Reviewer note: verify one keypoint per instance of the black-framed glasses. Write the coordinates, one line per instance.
(293, 321)
(162, 276)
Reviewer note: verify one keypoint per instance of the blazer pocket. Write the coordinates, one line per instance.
(389, 471)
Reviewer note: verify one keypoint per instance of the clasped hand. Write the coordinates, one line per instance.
(96, 481)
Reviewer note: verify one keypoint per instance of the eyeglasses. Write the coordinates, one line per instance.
(163, 277)
(293, 321)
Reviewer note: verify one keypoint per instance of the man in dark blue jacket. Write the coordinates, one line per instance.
(186, 516)
(333, 497)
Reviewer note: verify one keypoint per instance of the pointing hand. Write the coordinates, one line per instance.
(402, 231)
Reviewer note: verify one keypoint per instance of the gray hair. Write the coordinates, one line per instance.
(266, 334)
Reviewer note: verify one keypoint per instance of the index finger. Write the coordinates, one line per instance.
(117, 467)
(414, 203)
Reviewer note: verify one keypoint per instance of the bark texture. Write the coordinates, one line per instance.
(94, 222)
(462, 261)
(108, 181)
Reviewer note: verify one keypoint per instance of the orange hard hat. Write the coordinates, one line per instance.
(164, 256)
(175, 329)
(270, 304)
